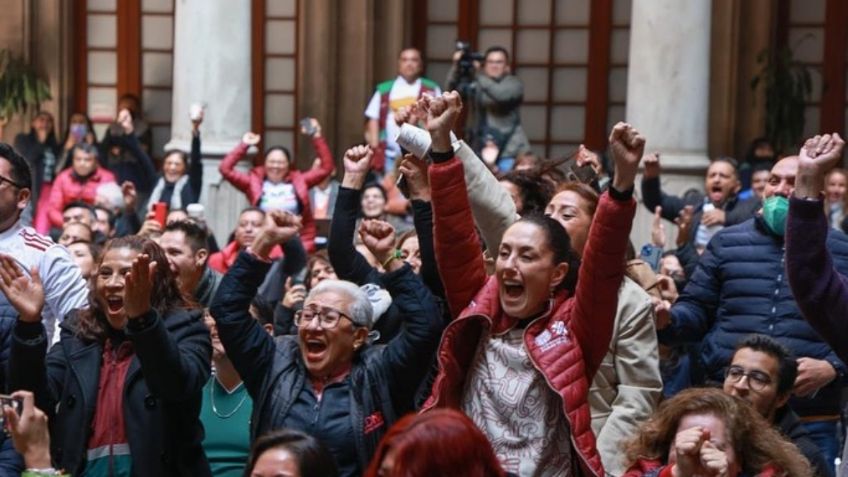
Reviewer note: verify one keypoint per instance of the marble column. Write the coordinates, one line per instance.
(212, 65)
(668, 88)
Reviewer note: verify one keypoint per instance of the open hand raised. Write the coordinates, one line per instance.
(25, 294)
(251, 138)
(139, 286)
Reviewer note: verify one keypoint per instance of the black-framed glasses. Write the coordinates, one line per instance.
(757, 380)
(10, 182)
(328, 318)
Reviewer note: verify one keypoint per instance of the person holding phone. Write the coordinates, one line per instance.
(181, 180)
(41, 150)
(276, 184)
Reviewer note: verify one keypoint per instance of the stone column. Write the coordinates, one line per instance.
(212, 65)
(668, 89)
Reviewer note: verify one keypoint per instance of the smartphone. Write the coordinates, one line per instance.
(584, 174)
(78, 131)
(299, 278)
(652, 256)
(306, 124)
(15, 403)
(160, 213)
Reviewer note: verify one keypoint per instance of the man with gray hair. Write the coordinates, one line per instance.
(328, 380)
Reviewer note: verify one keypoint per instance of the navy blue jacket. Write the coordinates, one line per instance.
(384, 378)
(740, 287)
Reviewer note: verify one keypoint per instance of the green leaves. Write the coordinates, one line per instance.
(788, 86)
(20, 86)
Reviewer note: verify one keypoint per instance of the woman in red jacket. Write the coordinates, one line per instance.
(707, 432)
(276, 185)
(77, 183)
(525, 343)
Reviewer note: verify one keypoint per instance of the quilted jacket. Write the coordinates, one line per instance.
(566, 345)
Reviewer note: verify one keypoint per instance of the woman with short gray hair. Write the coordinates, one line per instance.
(328, 380)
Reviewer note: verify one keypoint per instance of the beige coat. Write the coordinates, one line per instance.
(628, 385)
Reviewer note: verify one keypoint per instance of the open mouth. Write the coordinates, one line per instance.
(315, 349)
(513, 289)
(115, 304)
(716, 193)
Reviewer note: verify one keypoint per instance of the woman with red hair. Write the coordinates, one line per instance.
(442, 442)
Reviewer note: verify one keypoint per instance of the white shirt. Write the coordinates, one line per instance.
(401, 95)
(279, 196)
(64, 288)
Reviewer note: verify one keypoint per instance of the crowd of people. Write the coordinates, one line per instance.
(447, 306)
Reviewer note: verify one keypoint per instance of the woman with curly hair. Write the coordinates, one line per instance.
(707, 432)
(123, 386)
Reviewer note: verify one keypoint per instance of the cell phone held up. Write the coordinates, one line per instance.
(652, 256)
(307, 126)
(160, 213)
(15, 403)
(584, 174)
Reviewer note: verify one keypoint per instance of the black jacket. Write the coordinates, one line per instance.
(349, 264)
(162, 392)
(789, 425)
(737, 211)
(384, 378)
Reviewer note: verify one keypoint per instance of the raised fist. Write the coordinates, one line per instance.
(626, 146)
(379, 237)
(357, 160)
(651, 162)
(280, 226)
(442, 112)
(822, 152)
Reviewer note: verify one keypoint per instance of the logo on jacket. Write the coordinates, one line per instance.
(373, 422)
(556, 335)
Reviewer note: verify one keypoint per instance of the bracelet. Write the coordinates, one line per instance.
(50, 471)
(396, 254)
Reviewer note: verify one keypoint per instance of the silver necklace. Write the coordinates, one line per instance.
(212, 401)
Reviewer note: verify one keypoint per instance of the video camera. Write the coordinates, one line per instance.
(465, 67)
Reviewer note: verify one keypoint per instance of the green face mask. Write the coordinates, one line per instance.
(775, 210)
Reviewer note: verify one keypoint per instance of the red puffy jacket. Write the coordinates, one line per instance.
(566, 345)
(251, 183)
(67, 188)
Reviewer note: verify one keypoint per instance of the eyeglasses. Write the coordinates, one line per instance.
(757, 380)
(328, 318)
(10, 182)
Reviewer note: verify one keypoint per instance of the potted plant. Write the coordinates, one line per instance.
(788, 87)
(21, 88)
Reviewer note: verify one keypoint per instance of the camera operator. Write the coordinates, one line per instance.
(495, 96)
